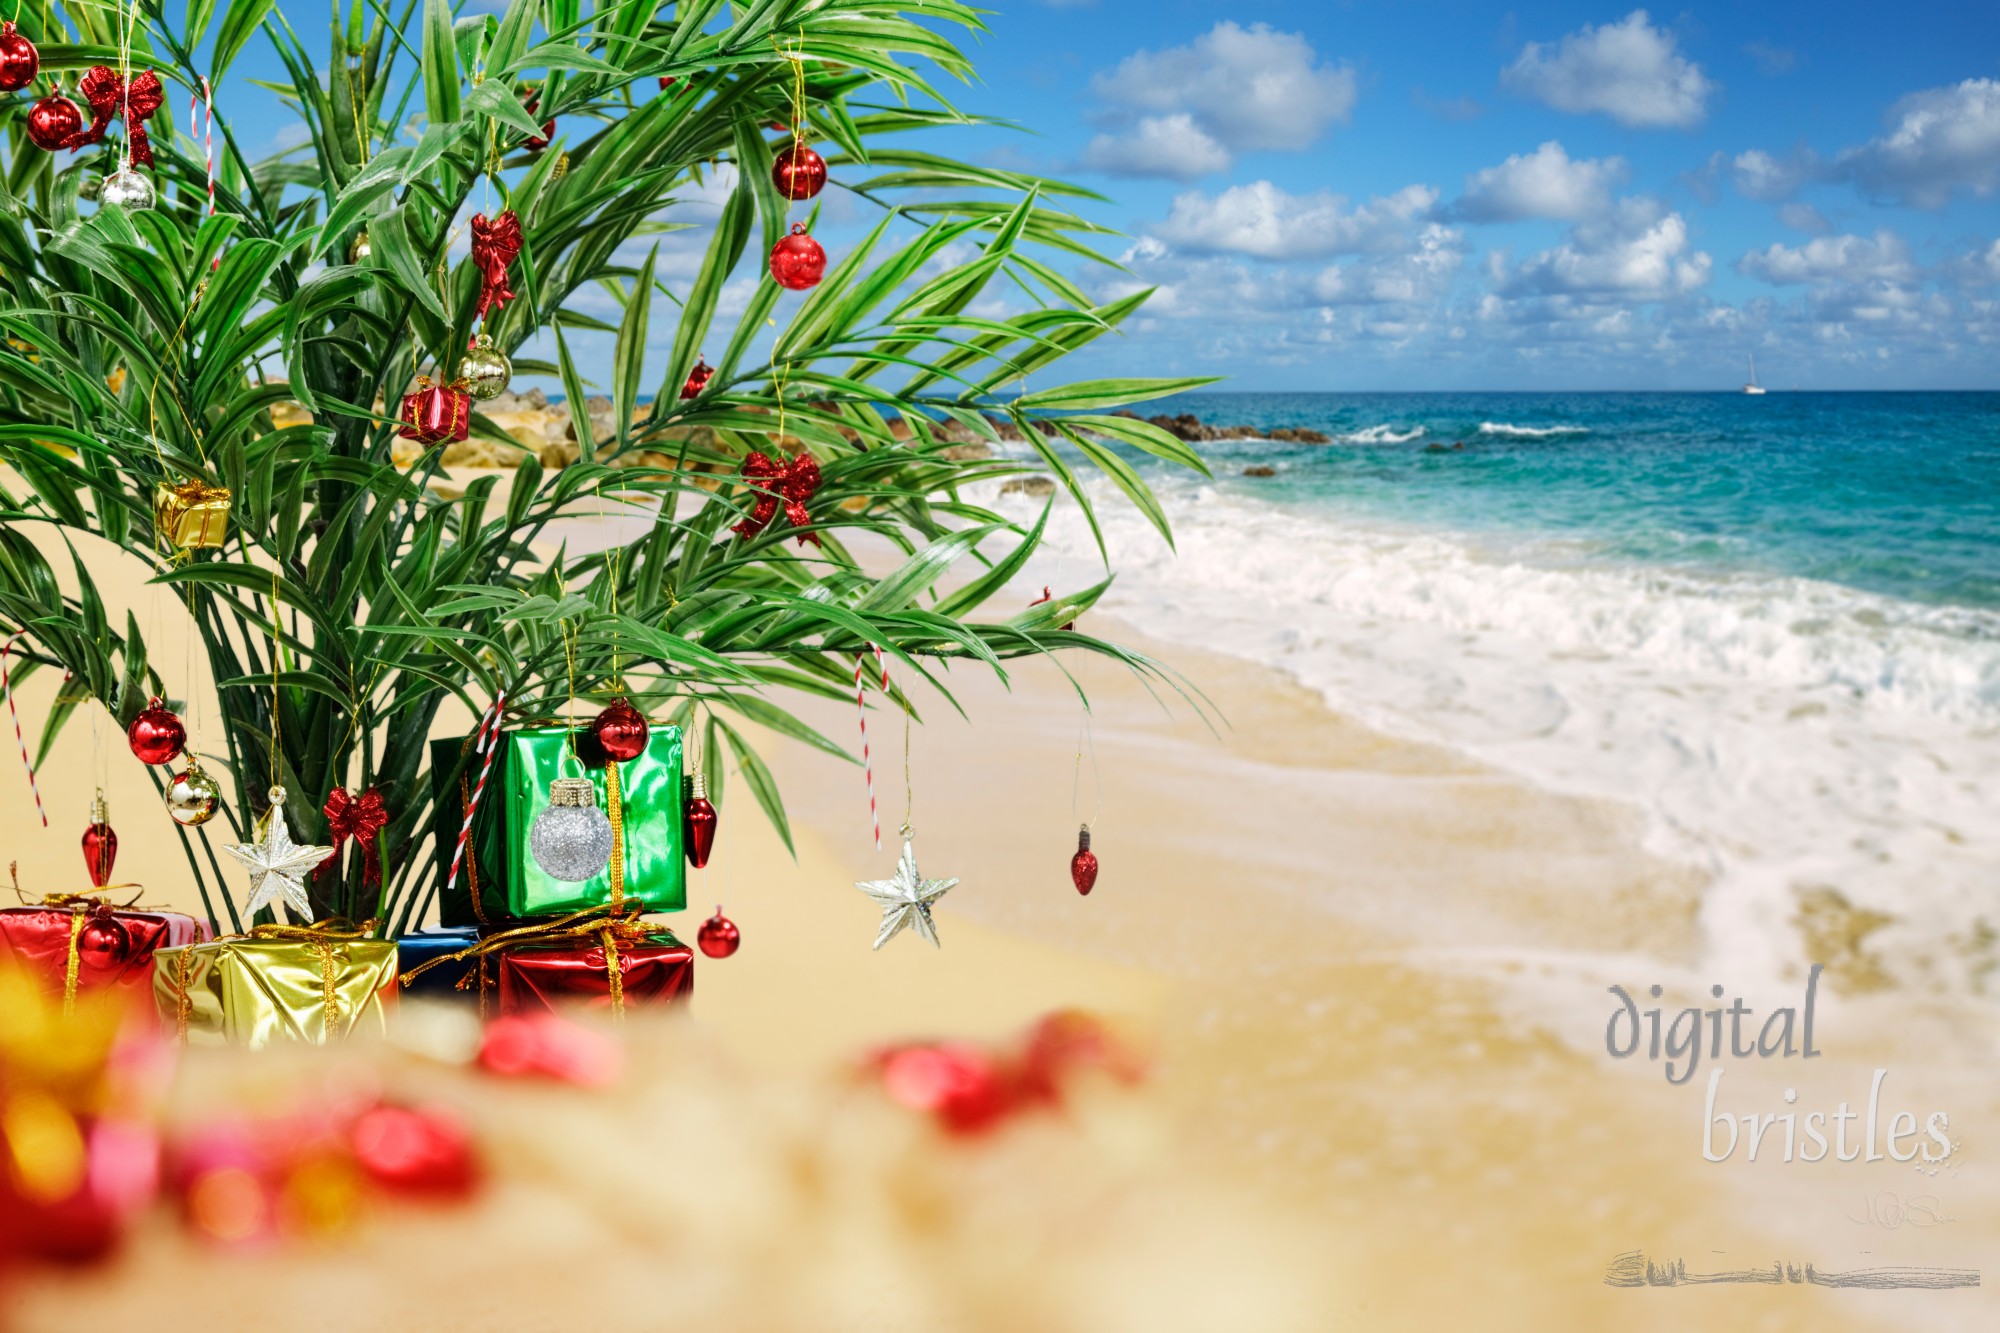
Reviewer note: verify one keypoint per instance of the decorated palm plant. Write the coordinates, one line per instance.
(181, 330)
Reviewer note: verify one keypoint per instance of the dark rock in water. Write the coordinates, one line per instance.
(1187, 426)
(1036, 487)
(1260, 470)
(1300, 435)
(1457, 448)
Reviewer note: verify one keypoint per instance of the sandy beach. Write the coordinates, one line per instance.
(1353, 958)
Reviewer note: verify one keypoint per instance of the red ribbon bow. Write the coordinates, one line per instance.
(360, 818)
(791, 484)
(495, 245)
(109, 96)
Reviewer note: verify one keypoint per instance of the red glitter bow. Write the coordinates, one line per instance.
(791, 484)
(495, 245)
(360, 818)
(109, 96)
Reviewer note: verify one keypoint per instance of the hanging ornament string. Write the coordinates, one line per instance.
(486, 743)
(861, 704)
(208, 135)
(7, 686)
(277, 654)
(1086, 741)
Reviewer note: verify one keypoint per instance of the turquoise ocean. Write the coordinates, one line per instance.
(1771, 623)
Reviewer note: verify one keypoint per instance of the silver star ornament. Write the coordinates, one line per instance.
(906, 899)
(277, 865)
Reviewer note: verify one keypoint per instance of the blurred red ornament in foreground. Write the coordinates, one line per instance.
(799, 172)
(969, 1089)
(718, 936)
(797, 260)
(521, 1045)
(1083, 866)
(415, 1151)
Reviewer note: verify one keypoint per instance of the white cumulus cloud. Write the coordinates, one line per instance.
(1630, 71)
(1760, 175)
(1263, 220)
(1639, 251)
(1546, 183)
(1231, 90)
(1938, 141)
(1883, 257)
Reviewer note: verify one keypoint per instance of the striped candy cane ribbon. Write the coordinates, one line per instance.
(488, 743)
(861, 704)
(7, 687)
(208, 138)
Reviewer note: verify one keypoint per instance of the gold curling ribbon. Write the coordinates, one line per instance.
(614, 976)
(615, 809)
(608, 925)
(322, 935)
(75, 962)
(183, 1002)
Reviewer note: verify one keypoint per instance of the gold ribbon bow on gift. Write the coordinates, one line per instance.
(82, 906)
(610, 925)
(322, 935)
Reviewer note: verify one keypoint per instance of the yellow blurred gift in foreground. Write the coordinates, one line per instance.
(278, 983)
(191, 514)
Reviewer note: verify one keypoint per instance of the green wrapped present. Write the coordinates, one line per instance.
(499, 880)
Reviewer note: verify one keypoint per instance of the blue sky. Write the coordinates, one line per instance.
(1464, 195)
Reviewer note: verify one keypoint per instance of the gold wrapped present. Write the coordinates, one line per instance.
(277, 983)
(191, 514)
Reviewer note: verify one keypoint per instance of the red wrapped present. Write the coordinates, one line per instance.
(601, 958)
(78, 941)
(437, 413)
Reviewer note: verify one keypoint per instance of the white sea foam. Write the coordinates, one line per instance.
(1386, 433)
(1513, 432)
(1782, 734)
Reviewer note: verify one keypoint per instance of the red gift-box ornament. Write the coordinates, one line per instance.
(109, 95)
(436, 413)
(790, 485)
(361, 818)
(495, 245)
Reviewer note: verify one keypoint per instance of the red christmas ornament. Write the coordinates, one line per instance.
(436, 413)
(718, 936)
(963, 1087)
(799, 173)
(797, 261)
(19, 60)
(156, 735)
(361, 818)
(698, 826)
(620, 731)
(1047, 597)
(791, 485)
(495, 245)
(109, 96)
(531, 102)
(667, 81)
(415, 1152)
(53, 121)
(100, 843)
(697, 379)
(1083, 866)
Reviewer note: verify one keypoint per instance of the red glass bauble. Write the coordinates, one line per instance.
(419, 1152)
(956, 1082)
(620, 731)
(799, 172)
(1083, 866)
(19, 60)
(667, 81)
(100, 853)
(52, 121)
(156, 735)
(698, 827)
(797, 261)
(697, 379)
(718, 936)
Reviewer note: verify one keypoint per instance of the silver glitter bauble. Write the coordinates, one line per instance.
(485, 369)
(127, 189)
(359, 248)
(192, 797)
(571, 839)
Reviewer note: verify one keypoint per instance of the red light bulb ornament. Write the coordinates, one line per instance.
(100, 843)
(156, 735)
(799, 172)
(620, 731)
(797, 261)
(718, 936)
(19, 60)
(53, 122)
(699, 824)
(1083, 866)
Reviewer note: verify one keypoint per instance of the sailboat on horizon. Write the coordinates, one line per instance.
(1753, 386)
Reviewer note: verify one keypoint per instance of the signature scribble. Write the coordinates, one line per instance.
(1634, 1269)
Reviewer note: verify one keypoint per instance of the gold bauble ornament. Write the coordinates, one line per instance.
(192, 796)
(127, 189)
(485, 369)
(359, 248)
